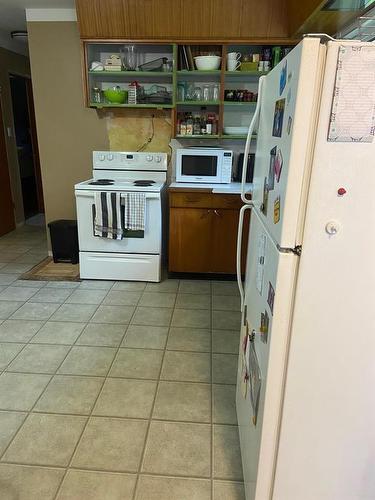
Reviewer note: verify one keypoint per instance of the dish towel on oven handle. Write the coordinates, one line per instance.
(134, 213)
(108, 220)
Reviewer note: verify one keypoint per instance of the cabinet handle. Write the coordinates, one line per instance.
(216, 212)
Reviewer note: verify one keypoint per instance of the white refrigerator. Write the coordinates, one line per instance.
(306, 372)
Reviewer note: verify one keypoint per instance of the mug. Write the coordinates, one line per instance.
(233, 64)
(234, 55)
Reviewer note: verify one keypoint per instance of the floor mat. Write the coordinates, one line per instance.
(53, 271)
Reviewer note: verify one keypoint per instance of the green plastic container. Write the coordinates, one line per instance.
(116, 95)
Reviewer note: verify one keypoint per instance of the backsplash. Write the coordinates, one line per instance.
(131, 129)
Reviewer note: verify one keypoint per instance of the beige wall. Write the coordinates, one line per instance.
(10, 62)
(67, 131)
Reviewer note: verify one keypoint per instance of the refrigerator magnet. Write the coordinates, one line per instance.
(278, 117)
(264, 206)
(276, 210)
(278, 164)
(271, 296)
(283, 76)
(289, 125)
(264, 326)
(271, 170)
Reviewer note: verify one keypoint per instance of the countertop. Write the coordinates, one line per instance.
(231, 188)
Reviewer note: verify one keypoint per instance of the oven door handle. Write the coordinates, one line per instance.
(90, 194)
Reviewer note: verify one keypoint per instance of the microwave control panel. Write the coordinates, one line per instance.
(226, 172)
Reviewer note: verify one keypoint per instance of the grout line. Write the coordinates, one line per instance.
(92, 408)
(141, 462)
(30, 411)
(106, 377)
(123, 472)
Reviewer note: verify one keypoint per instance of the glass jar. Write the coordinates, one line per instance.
(181, 87)
(215, 92)
(206, 92)
(190, 91)
(96, 95)
(197, 94)
(129, 57)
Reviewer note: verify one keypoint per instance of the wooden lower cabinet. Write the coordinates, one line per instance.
(203, 237)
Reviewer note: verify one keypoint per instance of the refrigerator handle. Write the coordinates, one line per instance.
(239, 247)
(248, 141)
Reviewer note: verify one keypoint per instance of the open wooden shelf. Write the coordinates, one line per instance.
(199, 103)
(251, 104)
(131, 73)
(126, 105)
(201, 136)
(246, 73)
(97, 49)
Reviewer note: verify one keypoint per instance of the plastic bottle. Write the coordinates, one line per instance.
(196, 125)
(189, 124)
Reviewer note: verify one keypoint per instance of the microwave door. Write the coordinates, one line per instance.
(202, 168)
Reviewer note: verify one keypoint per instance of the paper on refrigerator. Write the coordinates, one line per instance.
(353, 105)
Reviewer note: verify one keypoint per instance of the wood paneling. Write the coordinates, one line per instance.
(299, 12)
(226, 22)
(7, 222)
(267, 19)
(328, 22)
(307, 17)
(222, 20)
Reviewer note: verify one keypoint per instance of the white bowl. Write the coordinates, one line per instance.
(207, 63)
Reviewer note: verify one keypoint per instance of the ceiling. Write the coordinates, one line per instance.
(13, 18)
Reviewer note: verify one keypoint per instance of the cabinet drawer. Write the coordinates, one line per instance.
(201, 200)
(226, 201)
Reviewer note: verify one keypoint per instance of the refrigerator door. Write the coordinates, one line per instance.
(327, 437)
(262, 356)
(290, 98)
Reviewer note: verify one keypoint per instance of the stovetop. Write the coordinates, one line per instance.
(145, 185)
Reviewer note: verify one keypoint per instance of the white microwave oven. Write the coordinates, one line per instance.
(213, 165)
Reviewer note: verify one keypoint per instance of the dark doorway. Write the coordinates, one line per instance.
(27, 146)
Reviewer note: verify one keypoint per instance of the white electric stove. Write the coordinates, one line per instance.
(138, 256)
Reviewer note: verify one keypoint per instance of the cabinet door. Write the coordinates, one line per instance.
(224, 241)
(190, 240)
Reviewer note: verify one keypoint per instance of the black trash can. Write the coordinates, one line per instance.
(64, 240)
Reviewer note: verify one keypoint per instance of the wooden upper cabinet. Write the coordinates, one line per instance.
(217, 20)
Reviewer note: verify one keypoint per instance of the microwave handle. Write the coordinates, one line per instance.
(248, 142)
(239, 252)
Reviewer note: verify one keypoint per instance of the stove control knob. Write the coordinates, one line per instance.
(101, 157)
(157, 159)
(149, 157)
(110, 157)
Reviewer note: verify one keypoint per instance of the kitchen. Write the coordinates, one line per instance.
(189, 316)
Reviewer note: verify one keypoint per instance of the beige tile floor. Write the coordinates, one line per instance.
(115, 390)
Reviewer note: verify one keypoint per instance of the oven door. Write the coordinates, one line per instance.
(202, 166)
(148, 241)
